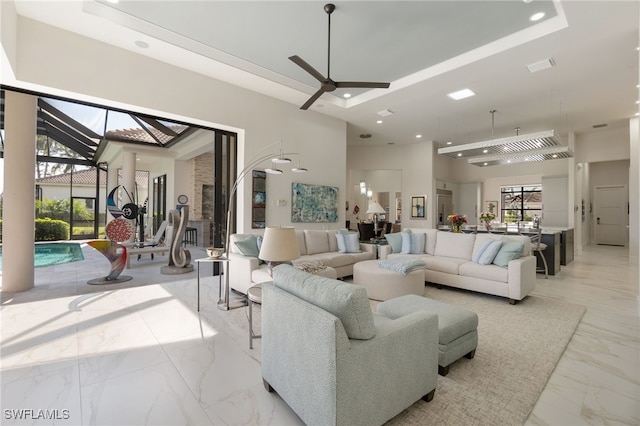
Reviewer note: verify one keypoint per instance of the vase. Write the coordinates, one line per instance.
(487, 225)
(457, 228)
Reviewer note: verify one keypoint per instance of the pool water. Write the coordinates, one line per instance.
(48, 254)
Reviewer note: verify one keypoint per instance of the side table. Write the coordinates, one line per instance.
(254, 294)
(220, 259)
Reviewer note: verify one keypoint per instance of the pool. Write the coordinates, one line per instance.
(48, 254)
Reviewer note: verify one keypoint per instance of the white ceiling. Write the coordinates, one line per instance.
(426, 49)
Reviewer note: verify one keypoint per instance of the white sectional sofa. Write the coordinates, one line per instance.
(448, 257)
(315, 245)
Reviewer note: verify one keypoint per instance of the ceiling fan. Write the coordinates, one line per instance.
(326, 83)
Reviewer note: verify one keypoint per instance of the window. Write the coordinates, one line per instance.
(520, 203)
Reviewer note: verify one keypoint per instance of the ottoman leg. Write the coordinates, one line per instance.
(428, 397)
(471, 354)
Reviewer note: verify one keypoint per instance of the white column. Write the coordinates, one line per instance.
(634, 188)
(19, 192)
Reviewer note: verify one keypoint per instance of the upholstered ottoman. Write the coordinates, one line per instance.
(383, 284)
(457, 327)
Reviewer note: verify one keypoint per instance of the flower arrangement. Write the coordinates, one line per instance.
(487, 216)
(457, 219)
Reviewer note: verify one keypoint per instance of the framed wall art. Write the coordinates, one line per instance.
(418, 207)
(259, 201)
(313, 203)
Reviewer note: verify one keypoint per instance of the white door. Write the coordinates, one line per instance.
(611, 215)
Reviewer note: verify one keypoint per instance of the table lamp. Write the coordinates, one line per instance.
(279, 245)
(375, 209)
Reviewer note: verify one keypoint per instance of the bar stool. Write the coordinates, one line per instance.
(537, 247)
(190, 236)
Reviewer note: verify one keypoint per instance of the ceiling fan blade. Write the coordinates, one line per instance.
(312, 99)
(308, 68)
(369, 85)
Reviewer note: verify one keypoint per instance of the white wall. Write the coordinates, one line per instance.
(414, 160)
(603, 145)
(96, 72)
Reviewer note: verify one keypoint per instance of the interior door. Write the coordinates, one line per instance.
(611, 215)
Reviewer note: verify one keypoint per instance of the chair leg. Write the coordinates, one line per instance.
(544, 262)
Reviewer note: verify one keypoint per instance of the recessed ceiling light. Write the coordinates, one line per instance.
(379, 121)
(418, 136)
(459, 154)
(461, 94)
(637, 102)
(541, 65)
(485, 164)
(555, 155)
(484, 151)
(637, 114)
(347, 95)
(508, 161)
(536, 16)
(449, 143)
(141, 44)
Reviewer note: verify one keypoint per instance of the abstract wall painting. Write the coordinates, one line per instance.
(313, 203)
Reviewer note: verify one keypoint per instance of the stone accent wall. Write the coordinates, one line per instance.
(202, 167)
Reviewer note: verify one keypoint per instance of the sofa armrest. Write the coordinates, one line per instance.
(369, 248)
(403, 355)
(239, 269)
(384, 251)
(521, 276)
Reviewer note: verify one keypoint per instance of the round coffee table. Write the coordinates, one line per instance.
(254, 294)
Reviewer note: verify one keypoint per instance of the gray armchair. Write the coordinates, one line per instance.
(333, 361)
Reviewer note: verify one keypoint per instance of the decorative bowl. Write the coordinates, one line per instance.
(214, 252)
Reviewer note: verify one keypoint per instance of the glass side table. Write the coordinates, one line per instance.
(254, 294)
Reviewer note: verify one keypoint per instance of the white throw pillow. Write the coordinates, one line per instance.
(413, 243)
(487, 252)
(348, 242)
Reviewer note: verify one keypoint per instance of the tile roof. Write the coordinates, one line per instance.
(88, 177)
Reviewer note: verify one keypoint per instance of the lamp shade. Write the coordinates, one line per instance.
(279, 244)
(375, 208)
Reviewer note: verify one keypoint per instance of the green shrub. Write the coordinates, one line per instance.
(51, 230)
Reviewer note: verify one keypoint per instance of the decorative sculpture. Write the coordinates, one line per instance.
(179, 258)
(117, 255)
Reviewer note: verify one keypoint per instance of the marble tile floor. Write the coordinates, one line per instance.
(140, 353)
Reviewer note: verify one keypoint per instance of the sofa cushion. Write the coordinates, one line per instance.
(301, 244)
(395, 241)
(331, 258)
(333, 242)
(348, 302)
(248, 246)
(485, 272)
(413, 243)
(451, 244)
(487, 252)
(316, 241)
(449, 265)
(510, 250)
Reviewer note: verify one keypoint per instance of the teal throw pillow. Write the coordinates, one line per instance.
(395, 241)
(487, 252)
(248, 246)
(510, 250)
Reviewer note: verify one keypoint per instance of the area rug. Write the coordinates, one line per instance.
(519, 347)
